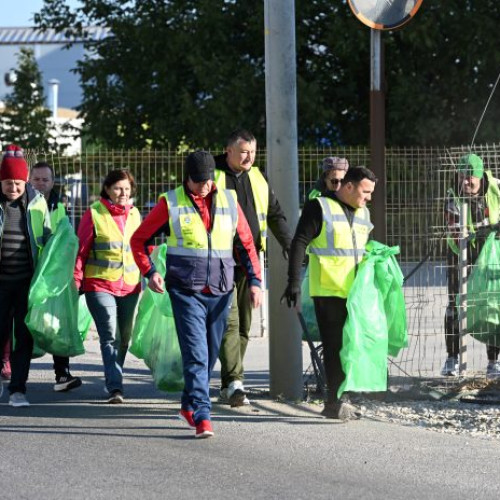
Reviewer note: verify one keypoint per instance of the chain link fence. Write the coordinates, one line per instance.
(417, 183)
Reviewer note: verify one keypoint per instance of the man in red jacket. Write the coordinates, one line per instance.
(205, 228)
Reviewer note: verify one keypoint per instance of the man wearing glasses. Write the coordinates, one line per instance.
(480, 190)
(333, 170)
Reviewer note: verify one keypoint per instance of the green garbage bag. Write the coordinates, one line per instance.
(154, 338)
(483, 294)
(308, 310)
(53, 302)
(376, 321)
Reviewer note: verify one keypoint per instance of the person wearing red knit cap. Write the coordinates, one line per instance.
(24, 230)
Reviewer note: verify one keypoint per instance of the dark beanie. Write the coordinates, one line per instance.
(199, 166)
(14, 166)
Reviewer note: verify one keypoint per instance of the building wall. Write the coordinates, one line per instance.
(54, 62)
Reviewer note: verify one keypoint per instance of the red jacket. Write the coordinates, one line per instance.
(156, 223)
(86, 236)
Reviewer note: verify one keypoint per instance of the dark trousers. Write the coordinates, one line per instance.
(200, 320)
(235, 340)
(451, 327)
(14, 306)
(61, 363)
(331, 313)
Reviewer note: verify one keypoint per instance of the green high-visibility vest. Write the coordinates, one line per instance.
(38, 219)
(492, 198)
(260, 191)
(57, 215)
(111, 256)
(335, 253)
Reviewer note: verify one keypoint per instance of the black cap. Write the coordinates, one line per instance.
(199, 166)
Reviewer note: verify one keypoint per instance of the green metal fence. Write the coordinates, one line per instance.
(417, 182)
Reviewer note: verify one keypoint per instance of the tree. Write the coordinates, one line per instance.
(26, 120)
(186, 71)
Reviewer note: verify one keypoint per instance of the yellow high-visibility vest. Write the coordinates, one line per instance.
(111, 256)
(336, 251)
(196, 257)
(260, 190)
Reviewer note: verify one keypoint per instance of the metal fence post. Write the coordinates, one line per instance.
(462, 313)
(264, 327)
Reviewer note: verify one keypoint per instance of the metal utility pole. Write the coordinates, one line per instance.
(380, 15)
(377, 134)
(285, 340)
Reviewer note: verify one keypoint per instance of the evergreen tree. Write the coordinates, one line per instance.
(26, 120)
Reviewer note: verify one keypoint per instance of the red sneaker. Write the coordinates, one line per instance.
(204, 429)
(187, 416)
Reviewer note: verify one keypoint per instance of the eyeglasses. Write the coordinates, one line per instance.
(335, 182)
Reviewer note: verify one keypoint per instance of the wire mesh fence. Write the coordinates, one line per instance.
(418, 182)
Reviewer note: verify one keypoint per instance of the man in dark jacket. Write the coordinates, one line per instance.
(42, 179)
(334, 228)
(234, 170)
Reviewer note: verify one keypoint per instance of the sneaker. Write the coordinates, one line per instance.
(6, 372)
(236, 394)
(341, 410)
(204, 429)
(493, 370)
(18, 399)
(223, 397)
(67, 382)
(187, 416)
(116, 397)
(450, 367)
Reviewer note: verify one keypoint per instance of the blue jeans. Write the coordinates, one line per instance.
(113, 318)
(200, 320)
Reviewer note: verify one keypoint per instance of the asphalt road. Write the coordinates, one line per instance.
(75, 446)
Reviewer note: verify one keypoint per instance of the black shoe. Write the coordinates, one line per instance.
(116, 398)
(67, 382)
(341, 410)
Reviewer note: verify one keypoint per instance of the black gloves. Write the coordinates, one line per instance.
(292, 296)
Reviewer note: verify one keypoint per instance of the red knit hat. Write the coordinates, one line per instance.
(14, 165)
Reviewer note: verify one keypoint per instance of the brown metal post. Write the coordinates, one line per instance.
(377, 137)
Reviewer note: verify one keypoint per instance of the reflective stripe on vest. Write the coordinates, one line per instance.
(492, 198)
(190, 247)
(111, 256)
(260, 191)
(336, 251)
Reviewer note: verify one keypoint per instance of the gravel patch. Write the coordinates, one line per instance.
(450, 417)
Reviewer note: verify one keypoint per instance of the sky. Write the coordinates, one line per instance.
(19, 13)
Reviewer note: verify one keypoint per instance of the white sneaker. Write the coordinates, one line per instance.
(236, 394)
(493, 370)
(450, 367)
(224, 398)
(18, 399)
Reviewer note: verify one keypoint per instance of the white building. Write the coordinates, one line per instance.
(56, 64)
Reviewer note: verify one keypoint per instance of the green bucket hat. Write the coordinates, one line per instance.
(471, 164)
